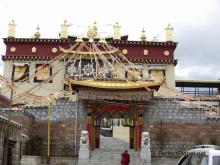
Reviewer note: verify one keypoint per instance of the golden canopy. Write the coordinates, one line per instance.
(114, 84)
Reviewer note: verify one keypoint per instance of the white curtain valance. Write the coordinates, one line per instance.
(20, 64)
(157, 67)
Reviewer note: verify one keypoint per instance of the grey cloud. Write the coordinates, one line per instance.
(200, 47)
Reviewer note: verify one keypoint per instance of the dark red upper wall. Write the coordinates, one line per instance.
(44, 47)
(137, 52)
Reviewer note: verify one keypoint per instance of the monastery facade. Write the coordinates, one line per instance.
(76, 83)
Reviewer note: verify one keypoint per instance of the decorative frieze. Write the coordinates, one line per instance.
(117, 95)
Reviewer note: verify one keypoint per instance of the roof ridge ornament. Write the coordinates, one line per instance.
(92, 32)
(169, 33)
(102, 39)
(143, 35)
(64, 30)
(117, 33)
(11, 29)
(79, 38)
(155, 39)
(37, 33)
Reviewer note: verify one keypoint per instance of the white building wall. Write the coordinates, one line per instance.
(58, 81)
(168, 88)
(43, 90)
(164, 90)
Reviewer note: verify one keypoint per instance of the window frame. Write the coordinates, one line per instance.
(25, 76)
(35, 78)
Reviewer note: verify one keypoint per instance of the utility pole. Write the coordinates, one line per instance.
(6, 146)
(76, 120)
(48, 133)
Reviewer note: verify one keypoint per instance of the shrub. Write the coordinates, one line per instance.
(34, 146)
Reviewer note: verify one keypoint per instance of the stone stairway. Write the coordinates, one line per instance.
(110, 153)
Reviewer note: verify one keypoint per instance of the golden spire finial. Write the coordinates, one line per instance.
(102, 39)
(169, 33)
(95, 23)
(143, 35)
(92, 32)
(155, 39)
(79, 38)
(64, 30)
(11, 29)
(37, 33)
(117, 33)
(95, 26)
(65, 22)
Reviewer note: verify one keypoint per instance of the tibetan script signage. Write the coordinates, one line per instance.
(115, 95)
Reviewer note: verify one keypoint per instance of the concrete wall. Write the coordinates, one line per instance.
(38, 160)
(45, 89)
(31, 160)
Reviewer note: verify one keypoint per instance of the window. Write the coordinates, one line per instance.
(198, 159)
(216, 160)
(185, 160)
(21, 72)
(134, 74)
(158, 74)
(43, 72)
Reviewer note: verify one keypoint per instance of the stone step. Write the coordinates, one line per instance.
(110, 153)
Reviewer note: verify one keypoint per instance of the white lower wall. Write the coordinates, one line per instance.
(31, 160)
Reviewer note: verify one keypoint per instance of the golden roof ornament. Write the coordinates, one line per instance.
(37, 33)
(11, 29)
(117, 33)
(92, 32)
(102, 40)
(95, 26)
(169, 33)
(64, 30)
(79, 38)
(143, 35)
(155, 39)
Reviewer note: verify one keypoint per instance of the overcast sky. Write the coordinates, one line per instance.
(196, 24)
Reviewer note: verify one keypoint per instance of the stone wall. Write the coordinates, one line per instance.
(63, 120)
(1, 146)
(177, 128)
(22, 117)
(172, 127)
(15, 136)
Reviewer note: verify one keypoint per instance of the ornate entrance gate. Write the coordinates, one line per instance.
(102, 114)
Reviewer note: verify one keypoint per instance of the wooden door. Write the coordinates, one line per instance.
(97, 139)
(131, 136)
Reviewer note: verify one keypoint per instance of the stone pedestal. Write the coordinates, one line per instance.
(145, 152)
(83, 153)
(84, 145)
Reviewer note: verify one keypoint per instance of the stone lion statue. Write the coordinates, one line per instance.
(84, 139)
(145, 147)
(145, 139)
